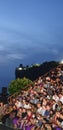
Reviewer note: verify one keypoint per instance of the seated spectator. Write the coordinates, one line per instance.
(18, 103)
(61, 98)
(55, 97)
(9, 120)
(47, 112)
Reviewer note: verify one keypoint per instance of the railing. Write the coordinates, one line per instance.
(49, 72)
(15, 94)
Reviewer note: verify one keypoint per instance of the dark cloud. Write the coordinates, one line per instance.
(29, 33)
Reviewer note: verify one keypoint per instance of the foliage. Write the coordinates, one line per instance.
(18, 84)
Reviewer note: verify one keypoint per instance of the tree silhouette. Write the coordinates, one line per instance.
(18, 84)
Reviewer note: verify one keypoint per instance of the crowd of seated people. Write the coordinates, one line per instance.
(40, 107)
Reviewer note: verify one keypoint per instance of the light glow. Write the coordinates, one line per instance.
(61, 62)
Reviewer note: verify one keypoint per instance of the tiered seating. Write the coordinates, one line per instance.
(41, 106)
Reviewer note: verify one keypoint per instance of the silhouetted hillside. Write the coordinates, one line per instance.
(33, 72)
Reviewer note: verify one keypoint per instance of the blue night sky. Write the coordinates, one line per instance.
(31, 31)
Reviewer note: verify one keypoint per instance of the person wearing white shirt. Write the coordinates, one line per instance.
(61, 98)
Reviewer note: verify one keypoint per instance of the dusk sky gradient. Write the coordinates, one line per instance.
(31, 31)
